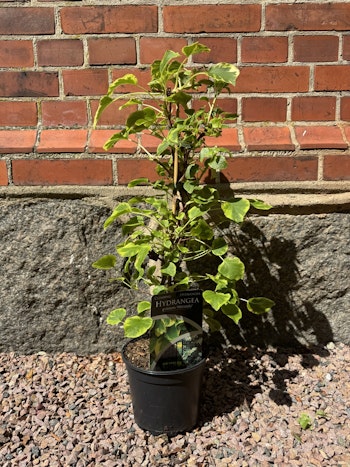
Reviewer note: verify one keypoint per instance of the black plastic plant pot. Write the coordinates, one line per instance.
(165, 401)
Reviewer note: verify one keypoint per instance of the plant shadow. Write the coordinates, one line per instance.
(234, 373)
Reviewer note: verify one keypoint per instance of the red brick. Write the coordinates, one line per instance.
(99, 137)
(88, 82)
(62, 141)
(273, 79)
(3, 174)
(17, 113)
(116, 51)
(268, 138)
(336, 167)
(16, 53)
(315, 16)
(346, 47)
(212, 18)
(27, 21)
(332, 78)
(270, 169)
(345, 108)
(264, 49)
(313, 108)
(316, 48)
(347, 133)
(109, 19)
(152, 48)
(17, 141)
(320, 137)
(264, 109)
(112, 115)
(64, 113)
(62, 172)
(226, 104)
(228, 140)
(142, 74)
(130, 169)
(28, 84)
(60, 52)
(222, 49)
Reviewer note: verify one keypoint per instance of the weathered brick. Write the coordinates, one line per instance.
(228, 140)
(62, 140)
(112, 115)
(212, 18)
(16, 53)
(60, 52)
(264, 109)
(3, 174)
(99, 137)
(116, 51)
(308, 16)
(320, 137)
(345, 108)
(268, 138)
(313, 108)
(17, 113)
(336, 167)
(222, 49)
(264, 49)
(346, 47)
(17, 141)
(62, 172)
(28, 84)
(130, 169)
(273, 79)
(142, 74)
(27, 21)
(270, 169)
(85, 82)
(151, 48)
(316, 48)
(64, 113)
(332, 77)
(109, 19)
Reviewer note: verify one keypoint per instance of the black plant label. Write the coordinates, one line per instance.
(176, 336)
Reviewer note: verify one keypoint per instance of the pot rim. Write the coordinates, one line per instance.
(158, 372)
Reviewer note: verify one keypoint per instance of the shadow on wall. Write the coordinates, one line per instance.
(272, 271)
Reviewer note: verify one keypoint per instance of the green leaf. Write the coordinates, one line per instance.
(168, 56)
(194, 48)
(305, 421)
(232, 268)
(202, 230)
(194, 212)
(122, 208)
(169, 270)
(138, 181)
(224, 72)
(105, 262)
(116, 316)
(258, 204)
(105, 101)
(136, 326)
(232, 311)
(143, 306)
(219, 247)
(113, 140)
(236, 209)
(126, 79)
(132, 224)
(141, 119)
(216, 299)
(260, 305)
(128, 249)
(218, 163)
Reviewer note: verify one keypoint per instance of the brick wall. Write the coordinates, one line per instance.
(292, 97)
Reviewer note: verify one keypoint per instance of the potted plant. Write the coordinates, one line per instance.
(174, 238)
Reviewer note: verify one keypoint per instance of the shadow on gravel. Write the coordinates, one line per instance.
(235, 372)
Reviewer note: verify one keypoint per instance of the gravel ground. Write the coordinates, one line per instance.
(69, 410)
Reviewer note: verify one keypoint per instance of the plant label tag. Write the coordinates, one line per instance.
(176, 336)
